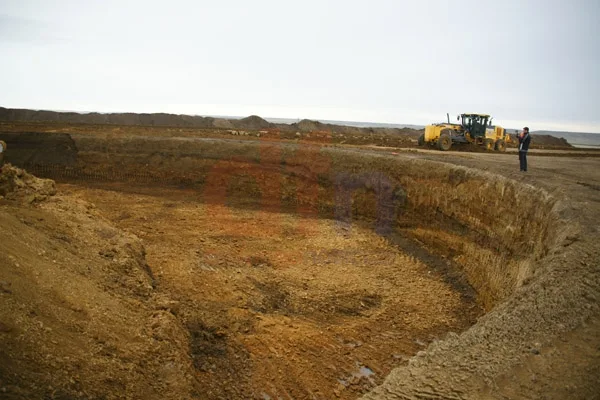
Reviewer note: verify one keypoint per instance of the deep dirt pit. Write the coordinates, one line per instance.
(238, 299)
(278, 305)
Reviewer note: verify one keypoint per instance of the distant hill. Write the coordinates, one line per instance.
(577, 139)
(356, 124)
(251, 123)
(156, 119)
(548, 141)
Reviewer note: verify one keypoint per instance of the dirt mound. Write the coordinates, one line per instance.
(400, 137)
(79, 315)
(223, 123)
(15, 184)
(306, 125)
(156, 119)
(548, 142)
(253, 122)
(40, 148)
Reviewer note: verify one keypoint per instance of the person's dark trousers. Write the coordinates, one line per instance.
(523, 160)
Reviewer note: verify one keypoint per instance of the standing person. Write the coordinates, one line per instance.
(2, 150)
(524, 140)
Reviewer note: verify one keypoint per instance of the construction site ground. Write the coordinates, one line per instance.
(307, 308)
(271, 304)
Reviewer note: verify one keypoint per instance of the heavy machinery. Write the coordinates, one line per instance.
(471, 128)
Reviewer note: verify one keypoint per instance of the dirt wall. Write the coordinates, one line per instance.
(495, 229)
(40, 148)
(79, 316)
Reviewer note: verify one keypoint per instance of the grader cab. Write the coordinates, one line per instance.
(471, 128)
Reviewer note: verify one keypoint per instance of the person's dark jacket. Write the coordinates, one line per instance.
(524, 142)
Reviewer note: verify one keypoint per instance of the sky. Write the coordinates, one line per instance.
(526, 62)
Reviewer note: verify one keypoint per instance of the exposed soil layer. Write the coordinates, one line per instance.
(237, 269)
(543, 341)
(280, 305)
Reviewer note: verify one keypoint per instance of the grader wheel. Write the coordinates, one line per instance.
(488, 144)
(444, 142)
(500, 145)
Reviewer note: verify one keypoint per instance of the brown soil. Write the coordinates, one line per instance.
(548, 333)
(267, 304)
(297, 306)
(184, 268)
(264, 303)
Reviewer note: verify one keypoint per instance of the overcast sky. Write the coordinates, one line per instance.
(530, 63)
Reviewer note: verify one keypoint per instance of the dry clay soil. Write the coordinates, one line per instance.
(562, 366)
(110, 290)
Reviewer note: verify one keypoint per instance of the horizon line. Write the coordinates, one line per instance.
(322, 120)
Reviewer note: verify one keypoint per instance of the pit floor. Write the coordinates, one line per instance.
(280, 306)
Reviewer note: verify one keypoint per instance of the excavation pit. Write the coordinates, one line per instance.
(297, 271)
(282, 303)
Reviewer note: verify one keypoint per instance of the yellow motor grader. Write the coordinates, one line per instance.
(471, 128)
